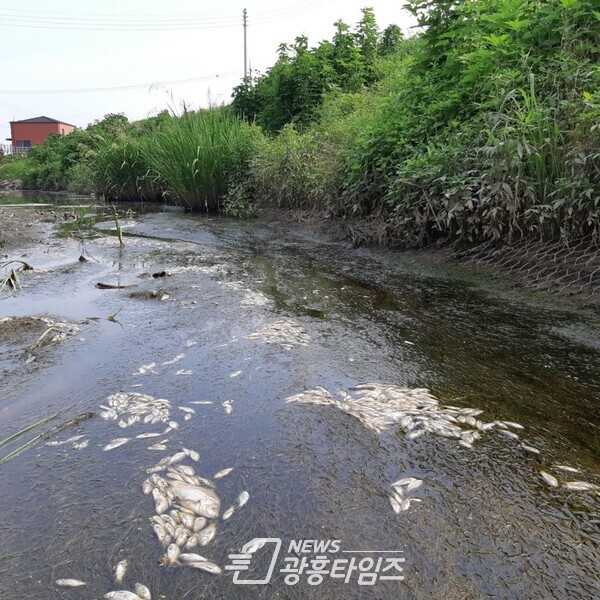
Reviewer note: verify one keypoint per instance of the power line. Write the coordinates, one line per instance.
(143, 24)
(124, 87)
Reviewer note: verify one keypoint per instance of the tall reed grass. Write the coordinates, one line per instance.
(196, 156)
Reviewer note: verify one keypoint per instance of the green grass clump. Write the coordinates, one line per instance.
(198, 155)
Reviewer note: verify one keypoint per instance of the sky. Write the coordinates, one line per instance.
(152, 48)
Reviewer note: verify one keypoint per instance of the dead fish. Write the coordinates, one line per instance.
(187, 417)
(413, 485)
(549, 479)
(173, 424)
(82, 445)
(186, 409)
(70, 583)
(63, 442)
(178, 457)
(192, 454)
(192, 542)
(567, 469)
(184, 372)
(120, 571)
(227, 514)
(227, 406)
(146, 368)
(142, 591)
(243, 498)
(509, 434)
(186, 558)
(222, 473)
(157, 447)
(207, 566)
(395, 505)
(116, 443)
(173, 552)
(199, 524)
(513, 425)
(530, 449)
(175, 359)
(147, 487)
(201, 402)
(121, 595)
(465, 444)
(580, 486)
(206, 536)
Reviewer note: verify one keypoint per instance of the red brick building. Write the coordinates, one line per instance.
(33, 132)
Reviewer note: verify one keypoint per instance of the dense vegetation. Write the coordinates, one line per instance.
(486, 125)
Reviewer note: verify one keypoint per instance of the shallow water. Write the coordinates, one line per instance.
(487, 526)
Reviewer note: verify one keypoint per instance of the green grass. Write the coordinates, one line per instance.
(197, 155)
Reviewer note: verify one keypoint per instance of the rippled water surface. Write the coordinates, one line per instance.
(487, 525)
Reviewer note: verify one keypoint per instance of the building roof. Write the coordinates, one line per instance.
(42, 120)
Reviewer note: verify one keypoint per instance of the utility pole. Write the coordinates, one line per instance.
(245, 44)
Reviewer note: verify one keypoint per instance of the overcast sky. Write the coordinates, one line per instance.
(73, 45)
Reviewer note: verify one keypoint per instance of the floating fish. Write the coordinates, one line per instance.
(146, 368)
(116, 443)
(120, 571)
(121, 595)
(222, 473)
(201, 402)
(530, 449)
(243, 498)
(142, 591)
(175, 359)
(228, 513)
(549, 479)
(186, 558)
(580, 486)
(143, 436)
(235, 374)
(184, 372)
(567, 469)
(207, 534)
(63, 442)
(207, 566)
(70, 583)
(81, 445)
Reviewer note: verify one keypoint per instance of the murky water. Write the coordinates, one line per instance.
(487, 524)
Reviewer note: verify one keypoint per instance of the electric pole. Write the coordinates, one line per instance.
(245, 44)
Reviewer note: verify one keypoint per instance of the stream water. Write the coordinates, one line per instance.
(251, 314)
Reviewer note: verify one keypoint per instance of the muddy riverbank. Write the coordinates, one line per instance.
(401, 408)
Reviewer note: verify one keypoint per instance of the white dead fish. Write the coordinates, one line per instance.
(206, 536)
(530, 449)
(227, 406)
(235, 374)
(192, 542)
(413, 485)
(549, 479)
(186, 409)
(222, 473)
(201, 402)
(115, 443)
(184, 372)
(173, 552)
(142, 591)
(81, 445)
(192, 454)
(63, 442)
(187, 417)
(207, 566)
(228, 513)
(146, 368)
(147, 487)
(199, 524)
(567, 469)
(70, 583)
(121, 595)
(395, 504)
(175, 359)
(157, 447)
(243, 498)
(580, 486)
(120, 571)
(173, 424)
(186, 558)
